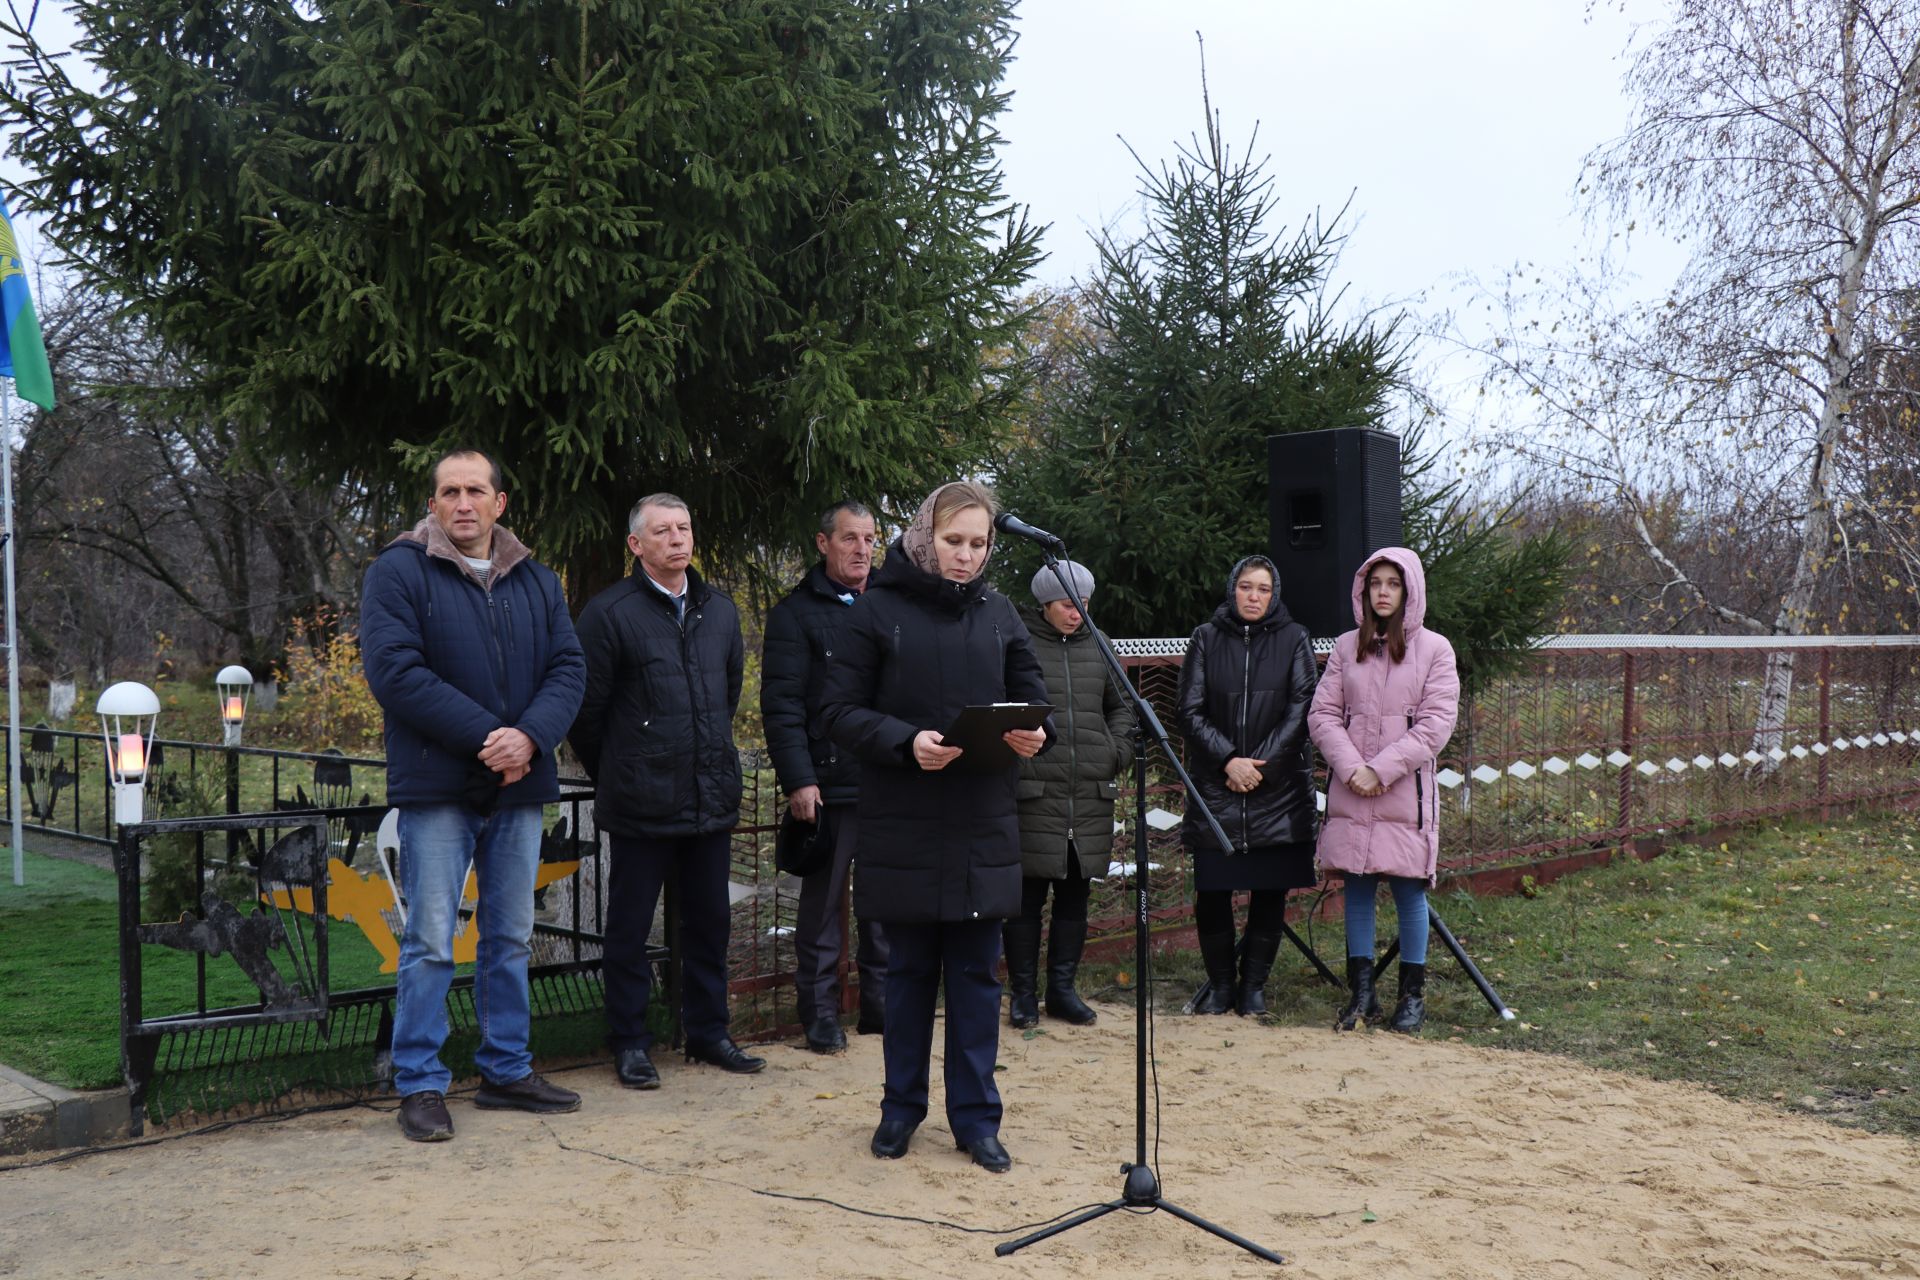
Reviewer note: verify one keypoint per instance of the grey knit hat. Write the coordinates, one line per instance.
(1047, 589)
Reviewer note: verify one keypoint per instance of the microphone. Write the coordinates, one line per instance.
(1007, 522)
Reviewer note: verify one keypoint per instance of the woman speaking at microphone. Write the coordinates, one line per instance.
(939, 846)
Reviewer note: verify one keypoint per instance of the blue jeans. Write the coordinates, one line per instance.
(437, 844)
(1409, 899)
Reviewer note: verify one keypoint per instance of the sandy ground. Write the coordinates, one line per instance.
(1471, 1163)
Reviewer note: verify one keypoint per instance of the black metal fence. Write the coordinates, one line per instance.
(288, 917)
(67, 791)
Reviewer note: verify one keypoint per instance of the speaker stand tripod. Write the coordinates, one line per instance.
(1452, 944)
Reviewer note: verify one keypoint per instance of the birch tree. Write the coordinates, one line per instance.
(1780, 140)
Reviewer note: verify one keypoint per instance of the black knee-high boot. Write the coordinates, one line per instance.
(1256, 962)
(1065, 942)
(1216, 952)
(1021, 937)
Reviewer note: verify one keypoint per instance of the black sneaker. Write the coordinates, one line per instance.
(424, 1118)
(528, 1094)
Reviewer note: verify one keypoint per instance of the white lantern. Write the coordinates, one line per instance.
(128, 712)
(235, 686)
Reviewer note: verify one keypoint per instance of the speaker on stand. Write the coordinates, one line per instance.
(1332, 497)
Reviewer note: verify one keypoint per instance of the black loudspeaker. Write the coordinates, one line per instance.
(1332, 498)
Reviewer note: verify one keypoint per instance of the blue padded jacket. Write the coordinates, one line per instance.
(450, 661)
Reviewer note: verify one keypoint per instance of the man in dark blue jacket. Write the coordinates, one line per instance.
(821, 781)
(664, 666)
(471, 654)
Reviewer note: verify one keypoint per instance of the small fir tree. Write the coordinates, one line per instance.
(1144, 444)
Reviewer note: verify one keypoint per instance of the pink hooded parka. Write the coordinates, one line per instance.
(1393, 717)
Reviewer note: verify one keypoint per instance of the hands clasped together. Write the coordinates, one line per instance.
(1365, 782)
(509, 753)
(1243, 774)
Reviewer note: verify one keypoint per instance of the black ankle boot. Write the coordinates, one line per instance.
(1360, 997)
(1064, 945)
(1216, 952)
(1256, 962)
(1411, 1013)
(1021, 938)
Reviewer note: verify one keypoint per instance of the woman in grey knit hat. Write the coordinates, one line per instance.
(1066, 801)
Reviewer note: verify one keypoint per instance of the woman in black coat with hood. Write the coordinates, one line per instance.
(938, 854)
(1244, 692)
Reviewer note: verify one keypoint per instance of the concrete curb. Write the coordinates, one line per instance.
(37, 1116)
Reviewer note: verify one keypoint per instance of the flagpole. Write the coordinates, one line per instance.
(13, 638)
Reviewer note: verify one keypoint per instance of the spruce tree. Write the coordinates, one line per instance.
(747, 253)
(1145, 441)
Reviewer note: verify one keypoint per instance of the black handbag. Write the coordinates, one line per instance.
(802, 848)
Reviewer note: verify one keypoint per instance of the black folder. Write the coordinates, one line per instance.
(976, 731)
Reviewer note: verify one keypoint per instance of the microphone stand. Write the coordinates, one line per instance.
(1142, 1188)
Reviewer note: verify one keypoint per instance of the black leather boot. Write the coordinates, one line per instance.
(1021, 937)
(1256, 962)
(1411, 1013)
(1064, 945)
(1216, 952)
(1361, 1001)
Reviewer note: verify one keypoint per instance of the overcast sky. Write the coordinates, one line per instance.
(1457, 128)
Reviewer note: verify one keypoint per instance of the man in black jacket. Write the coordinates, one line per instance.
(655, 732)
(822, 782)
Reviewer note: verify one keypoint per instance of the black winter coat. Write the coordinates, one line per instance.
(803, 633)
(1067, 795)
(1244, 691)
(655, 731)
(944, 845)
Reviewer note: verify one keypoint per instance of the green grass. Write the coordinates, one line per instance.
(60, 973)
(1779, 968)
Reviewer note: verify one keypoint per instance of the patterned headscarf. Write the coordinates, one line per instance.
(917, 541)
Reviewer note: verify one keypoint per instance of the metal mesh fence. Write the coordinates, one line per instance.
(1592, 744)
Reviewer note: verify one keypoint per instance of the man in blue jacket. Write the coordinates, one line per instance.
(470, 652)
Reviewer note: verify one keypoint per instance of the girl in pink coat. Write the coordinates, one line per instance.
(1384, 708)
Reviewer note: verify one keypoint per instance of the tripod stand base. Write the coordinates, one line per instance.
(1142, 1191)
(1452, 944)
